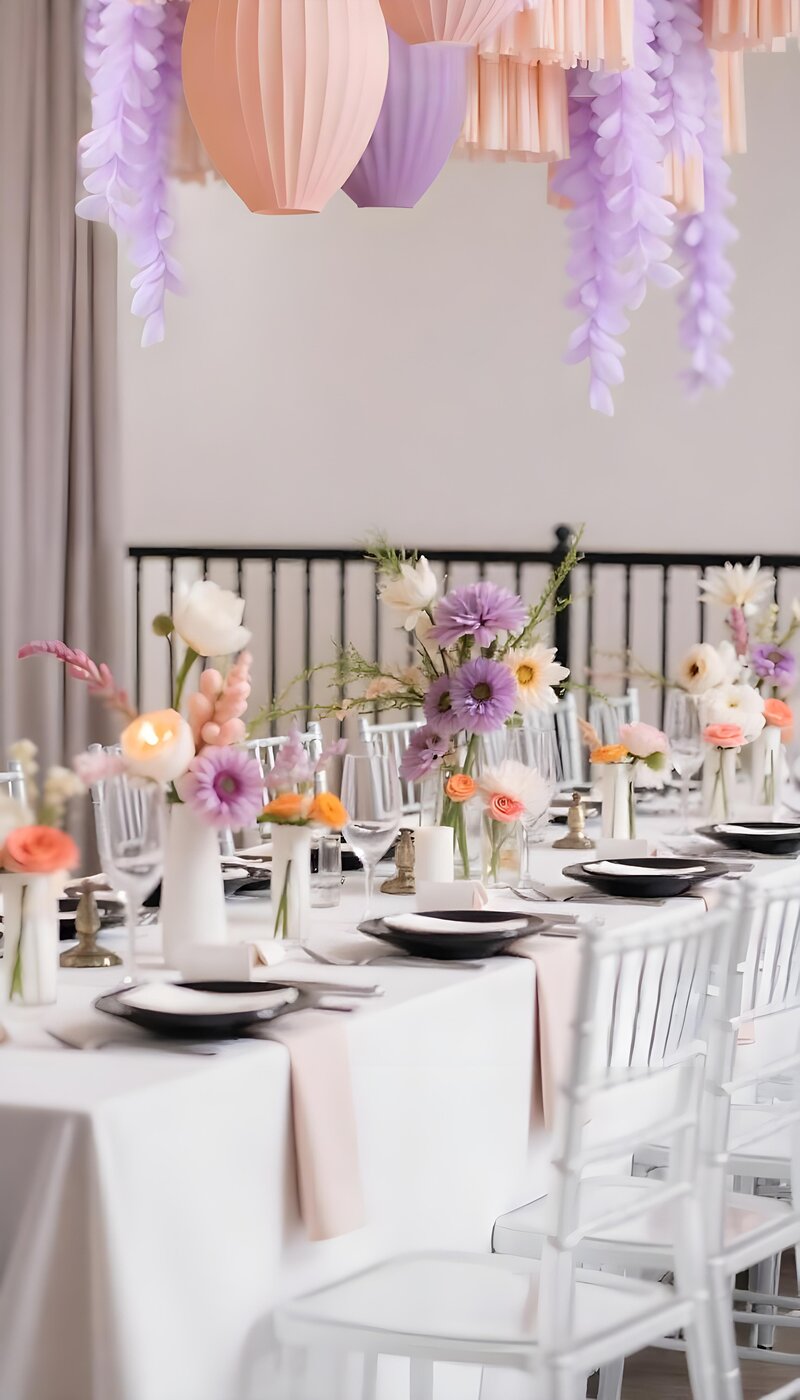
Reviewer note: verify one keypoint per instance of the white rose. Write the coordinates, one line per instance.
(410, 592)
(209, 619)
(735, 704)
(702, 668)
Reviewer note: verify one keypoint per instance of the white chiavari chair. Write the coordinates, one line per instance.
(564, 720)
(266, 750)
(637, 1062)
(607, 715)
(391, 741)
(12, 781)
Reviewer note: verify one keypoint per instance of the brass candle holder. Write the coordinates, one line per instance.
(87, 926)
(403, 881)
(576, 838)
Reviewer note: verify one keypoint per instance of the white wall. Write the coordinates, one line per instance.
(403, 369)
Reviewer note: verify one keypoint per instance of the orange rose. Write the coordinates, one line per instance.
(609, 753)
(724, 736)
(287, 807)
(504, 809)
(460, 787)
(39, 850)
(328, 809)
(778, 713)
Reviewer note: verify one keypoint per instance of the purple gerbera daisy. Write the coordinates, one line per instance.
(775, 664)
(484, 694)
(480, 610)
(425, 751)
(438, 708)
(224, 787)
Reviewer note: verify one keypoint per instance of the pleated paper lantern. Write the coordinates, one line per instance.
(446, 21)
(420, 120)
(516, 111)
(598, 33)
(729, 68)
(285, 94)
(750, 24)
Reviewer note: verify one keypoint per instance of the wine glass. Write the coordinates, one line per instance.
(537, 748)
(684, 730)
(130, 817)
(372, 798)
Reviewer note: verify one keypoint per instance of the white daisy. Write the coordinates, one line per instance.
(737, 586)
(517, 780)
(536, 671)
(735, 704)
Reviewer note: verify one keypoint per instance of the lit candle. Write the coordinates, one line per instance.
(158, 745)
(433, 853)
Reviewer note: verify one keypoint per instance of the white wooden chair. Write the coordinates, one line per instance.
(266, 750)
(761, 989)
(606, 716)
(12, 782)
(637, 1066)
(391, 741)
(564, 720)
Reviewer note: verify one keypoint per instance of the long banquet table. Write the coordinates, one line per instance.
(148, 1211)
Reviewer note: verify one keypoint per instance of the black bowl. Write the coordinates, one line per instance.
(443, 946)
(766, 838)
(210, 1024)
(661, 880)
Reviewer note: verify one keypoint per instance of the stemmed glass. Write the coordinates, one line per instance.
(372, 798)
(537, 748)
(131, 821)
(684, 730)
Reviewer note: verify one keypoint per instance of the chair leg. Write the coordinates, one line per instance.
(610, 1383)
(420, 1379)
(763, 1278)
(727, 1377)
(369, 1376)
(292, 1368)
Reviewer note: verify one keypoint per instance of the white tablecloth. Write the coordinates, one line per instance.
(148, 1216)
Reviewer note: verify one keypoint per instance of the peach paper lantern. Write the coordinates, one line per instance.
(285, 94)
(446, 21)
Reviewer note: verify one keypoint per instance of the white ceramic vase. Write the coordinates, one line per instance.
(192, 890)
(719, 784)
(291, 881)
(29, 967)
(618, 802)
(766, 774)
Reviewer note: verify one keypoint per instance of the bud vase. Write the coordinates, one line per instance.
(291, 881)
(501, 852)
(766, 773)
(618, 802)
(192, 889)
(29, 968)
(719, 784)
(449, 799)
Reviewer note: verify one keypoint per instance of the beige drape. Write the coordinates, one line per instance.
(61, 557)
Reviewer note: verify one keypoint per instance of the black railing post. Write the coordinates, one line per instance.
(561, 623)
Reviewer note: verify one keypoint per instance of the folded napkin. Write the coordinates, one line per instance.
(557, 963)
(418, 923)
(778, 829)
(165, 996)
(610, 867)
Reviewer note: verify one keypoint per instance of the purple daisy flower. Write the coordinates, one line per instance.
(484, 694)
(774, 663)
(425, 751)
(480, 610)
(224, 787)
(438, 708)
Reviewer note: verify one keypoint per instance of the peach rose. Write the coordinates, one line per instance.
(778, 713)
(287, 807)
(327, 808)
(39, 850)
(460, 787)
(502, 808)
(724, 736)
(609, 753)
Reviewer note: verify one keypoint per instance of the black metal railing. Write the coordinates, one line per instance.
(302, 603)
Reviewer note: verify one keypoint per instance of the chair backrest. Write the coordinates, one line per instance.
(564, 720)
(606, 716)
(265, 751)
(636, 1075)
(391, 741)
(124, 794)
(12, 782)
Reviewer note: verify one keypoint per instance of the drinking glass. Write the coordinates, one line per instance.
(684, 730)
(131, 819)
(372, 798)
(326, 870)
(536, 748)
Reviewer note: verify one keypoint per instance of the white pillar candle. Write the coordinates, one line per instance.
(433, 853)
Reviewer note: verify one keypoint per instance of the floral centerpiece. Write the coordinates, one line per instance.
(639, 744)
(514, 798)
(35, 855)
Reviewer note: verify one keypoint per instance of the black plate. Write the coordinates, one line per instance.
(657, 885)
(769, 842)
(170, 1023)
(443, 946)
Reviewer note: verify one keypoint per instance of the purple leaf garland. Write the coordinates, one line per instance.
(682, 61)
(619, 220)
(132, 54)
(701, 245)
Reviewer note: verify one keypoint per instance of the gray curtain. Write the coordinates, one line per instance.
(61, 559)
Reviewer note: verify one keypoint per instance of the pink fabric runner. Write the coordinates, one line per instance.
(323, 1113)
(557, 964)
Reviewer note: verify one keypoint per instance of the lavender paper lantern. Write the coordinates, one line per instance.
(419, 123)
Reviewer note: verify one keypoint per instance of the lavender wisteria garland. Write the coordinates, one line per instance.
(701, 245)
(619, 220)
(132, 54)
(680, 91)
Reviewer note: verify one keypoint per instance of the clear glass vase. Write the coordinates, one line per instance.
(766, 770)
(501, 851)
(450, 799)
(719, 784)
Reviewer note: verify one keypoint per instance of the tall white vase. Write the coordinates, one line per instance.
(29, 967)
(766, 774)
(291, 881)
(192, 889)
(719, 784)
(618, 810)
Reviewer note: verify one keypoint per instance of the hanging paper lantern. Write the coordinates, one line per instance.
(598, 33)
(515, 111)
(421, 117)
(446, 21)
(285, 94)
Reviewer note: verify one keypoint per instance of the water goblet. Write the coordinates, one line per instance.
(131, 820)
(683, 728)
(372, 798)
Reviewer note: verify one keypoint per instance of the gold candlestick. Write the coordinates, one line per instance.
(87, 926)
(403, 881)
(576, 838)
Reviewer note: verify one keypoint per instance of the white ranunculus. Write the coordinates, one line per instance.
(209, 619)
(410, 592)
(701, 669)
(735, 704)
